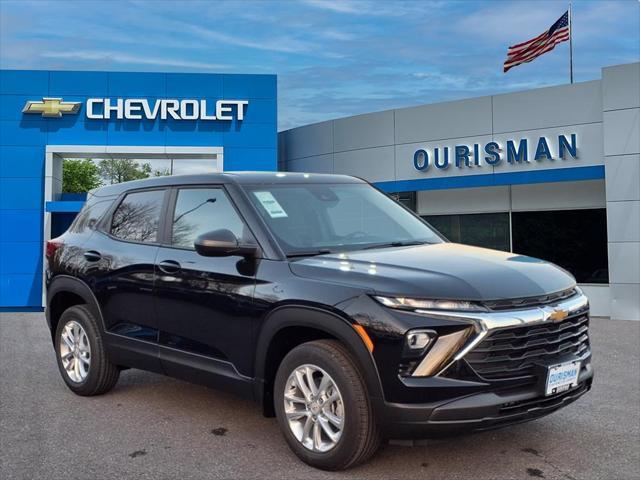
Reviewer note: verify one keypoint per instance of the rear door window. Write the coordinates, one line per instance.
(138, 216)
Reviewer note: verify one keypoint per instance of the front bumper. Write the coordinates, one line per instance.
(479, 411)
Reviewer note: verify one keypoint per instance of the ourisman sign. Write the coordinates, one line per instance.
(492, 153)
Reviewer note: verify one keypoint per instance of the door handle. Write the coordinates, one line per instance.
(169, 266)
(92, 256)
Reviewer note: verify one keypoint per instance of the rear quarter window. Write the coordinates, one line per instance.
(90, 215)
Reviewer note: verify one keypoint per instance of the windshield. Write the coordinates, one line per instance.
(323, 218)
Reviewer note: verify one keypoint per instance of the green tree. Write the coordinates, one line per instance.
(117, 170)
(79, 175)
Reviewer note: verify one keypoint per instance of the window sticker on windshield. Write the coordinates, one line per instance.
(270, 204)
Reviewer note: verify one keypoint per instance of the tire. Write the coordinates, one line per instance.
(359, 437)
(98, 375)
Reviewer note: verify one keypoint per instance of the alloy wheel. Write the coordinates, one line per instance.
(314, 408)
(75, 351)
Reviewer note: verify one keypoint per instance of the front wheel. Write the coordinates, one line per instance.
(82, 359)
(323, 406)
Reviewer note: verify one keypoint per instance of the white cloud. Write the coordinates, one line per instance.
(339, 6)
(332, 34)
(519, 21)
(118, 57)
(510, 24)
(375, 7)
(274, 43)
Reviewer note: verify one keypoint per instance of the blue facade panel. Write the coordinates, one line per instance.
(11, 106)
(188, 85)
(122, 84)
(21, 290)
(21, 193)
(24, 82)
(23, 132)
(248, 145)
(20, 257)
(21, 161)
(236, 158)
(20, 225)
(79, 84)
(245, 86)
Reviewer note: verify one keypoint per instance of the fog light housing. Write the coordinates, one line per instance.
(417, 342)
(440, 356)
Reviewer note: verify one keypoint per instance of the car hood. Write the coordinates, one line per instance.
(443, 271)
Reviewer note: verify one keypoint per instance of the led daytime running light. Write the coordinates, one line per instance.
(422, 304)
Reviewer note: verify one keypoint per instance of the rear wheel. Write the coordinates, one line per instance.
(82, 359)
(323, 406)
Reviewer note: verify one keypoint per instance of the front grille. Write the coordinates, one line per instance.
(515, 303)
(515, 352)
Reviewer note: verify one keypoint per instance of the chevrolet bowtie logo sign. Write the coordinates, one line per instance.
(558, 315)
(51, 107)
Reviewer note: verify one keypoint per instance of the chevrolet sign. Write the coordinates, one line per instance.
(51, 107)
(141, 109)
(186, 109)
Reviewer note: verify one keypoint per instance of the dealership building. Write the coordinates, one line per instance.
(182, 122)
(552, 173)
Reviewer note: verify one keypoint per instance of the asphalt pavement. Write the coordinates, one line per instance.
(154, 427)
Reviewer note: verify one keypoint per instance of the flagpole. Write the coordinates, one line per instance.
(570, 44)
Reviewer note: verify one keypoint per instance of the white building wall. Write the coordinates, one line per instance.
(621, 115)
(463, 200)
(534, 197)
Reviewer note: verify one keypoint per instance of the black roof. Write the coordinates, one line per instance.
(239, 178)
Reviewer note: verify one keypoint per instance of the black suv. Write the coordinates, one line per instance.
(334, 307)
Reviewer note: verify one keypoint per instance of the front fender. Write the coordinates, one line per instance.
(325, 321)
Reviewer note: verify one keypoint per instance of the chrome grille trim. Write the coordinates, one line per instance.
(486, 322)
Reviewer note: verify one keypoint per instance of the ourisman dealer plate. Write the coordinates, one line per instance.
(562, 377)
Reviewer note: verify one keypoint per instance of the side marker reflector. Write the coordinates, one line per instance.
(364, 336)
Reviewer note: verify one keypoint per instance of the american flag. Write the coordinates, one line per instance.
(531, 49)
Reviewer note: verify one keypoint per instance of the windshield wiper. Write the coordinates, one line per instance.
(310, 253)
(395, 244)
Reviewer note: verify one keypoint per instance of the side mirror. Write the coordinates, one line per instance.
(222, 243)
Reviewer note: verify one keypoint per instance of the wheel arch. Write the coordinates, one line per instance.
(64, 292)
(306, 323)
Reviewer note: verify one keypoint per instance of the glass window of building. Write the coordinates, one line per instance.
(574, 239)
(408, 199)
(489, 230)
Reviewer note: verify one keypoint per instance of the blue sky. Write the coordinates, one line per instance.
(333, 58)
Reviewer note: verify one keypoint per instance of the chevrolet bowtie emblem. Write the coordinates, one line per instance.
(51, 107)
(558, 315)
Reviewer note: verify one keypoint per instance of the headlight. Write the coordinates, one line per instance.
(422, 304)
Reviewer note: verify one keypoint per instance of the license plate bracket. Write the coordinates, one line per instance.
(562, 377)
